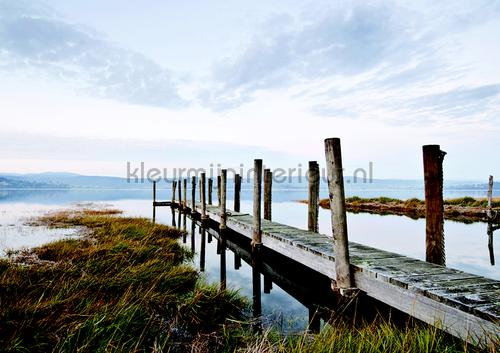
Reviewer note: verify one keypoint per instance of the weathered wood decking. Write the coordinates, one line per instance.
(463, 304)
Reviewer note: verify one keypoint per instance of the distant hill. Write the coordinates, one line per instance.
(65, 181)
(18, 183)
(76, 181)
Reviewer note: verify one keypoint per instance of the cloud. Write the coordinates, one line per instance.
(370, 59)
(33, 38)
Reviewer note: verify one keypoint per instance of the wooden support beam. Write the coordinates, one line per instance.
(193, 195)
(237, 192)
(268, 185)
(210, 187)
(434, 209)
(313, 197)
(174, 185)
(223, 214)
(180, 194)
(218, 188)
(489, 212)
(203, 197)
(333, 156)
(257, 191)
(184, 202)
(199, 187)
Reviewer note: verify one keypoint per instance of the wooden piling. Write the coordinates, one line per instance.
(184, 202)
(199, 187)
(237, 192)
(257, 191)
(333, 156)
(174, 186)
(489, 213)
(218, 188)
(223, 215)
(268, 182)
(313, 199)
(193, 195)
(154, 201)
(203, 197)
(434, 209)
(180, 194)
(210, 187)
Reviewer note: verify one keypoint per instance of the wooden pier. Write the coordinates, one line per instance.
(462, 304)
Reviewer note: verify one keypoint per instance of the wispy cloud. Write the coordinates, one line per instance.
(383, 60)
(34, 39)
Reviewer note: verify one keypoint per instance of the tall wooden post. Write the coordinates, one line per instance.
(154, 201)
(268, 182)
(339, 222)
(489, 213)
(180, 194)
(203, 197)
(174, 185)
(199, 185)
(218, 188)
(223, 214)
(210, 187)
(434, 218)
(184, 202)
(193, 195)
(257, 191)
(237, 192)
(313, 200)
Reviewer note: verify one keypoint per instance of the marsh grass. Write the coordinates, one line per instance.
(123, 288)
(126, 287)
(374, 336)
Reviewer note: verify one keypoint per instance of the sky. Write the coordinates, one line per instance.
(87, 86)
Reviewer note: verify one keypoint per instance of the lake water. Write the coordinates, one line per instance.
(466, 244)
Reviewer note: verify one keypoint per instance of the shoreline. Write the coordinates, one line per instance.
(464, 209)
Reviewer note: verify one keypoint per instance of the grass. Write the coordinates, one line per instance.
(375, 336)
(124, 289)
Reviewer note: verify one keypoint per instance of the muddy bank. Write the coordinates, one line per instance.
(465, 209)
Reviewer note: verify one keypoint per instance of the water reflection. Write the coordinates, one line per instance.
(278, 297)
(491, 229)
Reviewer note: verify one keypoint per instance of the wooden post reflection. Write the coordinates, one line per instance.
(193, 232)
(222, 242)
(202, 250)
(256, 298)
(237, 261)
(268, 284)
(173, 217)
(490, 231)
(184, 227)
